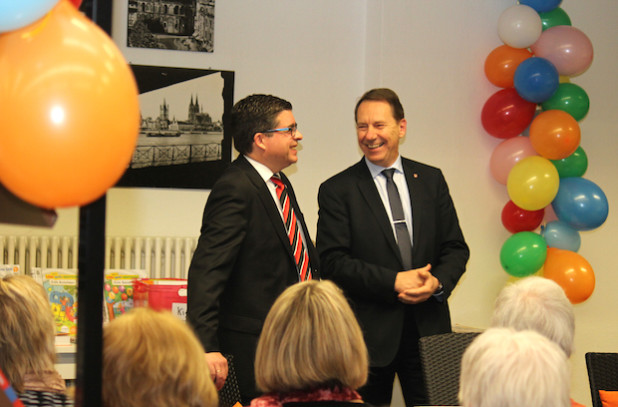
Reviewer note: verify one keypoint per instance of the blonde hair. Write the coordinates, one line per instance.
(152, 358)
(310, 338)
(27, 329)
(508, 368)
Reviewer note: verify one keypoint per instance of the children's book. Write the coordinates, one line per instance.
(118, 291)
(61, 288)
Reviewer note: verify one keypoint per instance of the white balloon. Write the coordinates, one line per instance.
(519, 26)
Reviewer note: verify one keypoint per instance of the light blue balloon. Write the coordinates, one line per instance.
(541, 6)
(580, 203)
(536, 79)
(526, 133)
(16, 14)
(561, 236)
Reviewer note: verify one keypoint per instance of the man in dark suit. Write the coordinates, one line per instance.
(396, 261)
(244, 258)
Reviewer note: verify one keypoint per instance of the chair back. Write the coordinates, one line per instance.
(602, 374)
(441, 361)
(229, 394)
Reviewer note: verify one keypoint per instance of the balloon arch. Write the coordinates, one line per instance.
(536, 113)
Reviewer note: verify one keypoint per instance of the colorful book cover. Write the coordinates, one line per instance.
(118, 291)
(61, 288)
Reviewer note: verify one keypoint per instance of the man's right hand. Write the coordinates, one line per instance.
(410, 279)
(217, 364)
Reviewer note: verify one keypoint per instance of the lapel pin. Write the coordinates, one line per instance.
(415, 175)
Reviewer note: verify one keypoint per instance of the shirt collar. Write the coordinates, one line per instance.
(376, 170)
(263, 170)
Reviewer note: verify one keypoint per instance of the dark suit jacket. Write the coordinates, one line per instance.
(242, 262)
(358, 251)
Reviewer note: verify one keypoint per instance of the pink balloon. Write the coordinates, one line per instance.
(507, 154)
(550, 215)
(568, 48)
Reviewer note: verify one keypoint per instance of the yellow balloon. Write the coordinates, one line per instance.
(533, 183)
(513, 279)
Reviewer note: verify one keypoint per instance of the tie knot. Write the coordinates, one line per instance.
(388, 173)
(277, 181)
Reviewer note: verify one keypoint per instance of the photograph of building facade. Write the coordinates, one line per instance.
(185, 25)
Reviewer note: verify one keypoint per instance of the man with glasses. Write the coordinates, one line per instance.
(254, 242)
(389, 236)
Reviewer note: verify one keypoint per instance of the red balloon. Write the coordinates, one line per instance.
(516, 219)
(572, 272)
(506, 114)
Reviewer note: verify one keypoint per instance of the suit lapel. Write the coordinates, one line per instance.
(272, 211)
(370, 194)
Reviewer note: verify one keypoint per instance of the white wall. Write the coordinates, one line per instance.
(323, 54)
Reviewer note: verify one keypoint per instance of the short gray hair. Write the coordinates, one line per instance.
(539, 304)
(508, 368)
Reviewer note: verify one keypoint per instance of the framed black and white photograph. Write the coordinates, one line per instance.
(184, 25)
(182, 141)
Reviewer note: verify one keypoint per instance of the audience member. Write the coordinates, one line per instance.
(27, 343)
(311, 350)
(508, 368)
(153, 359)
(539, 304)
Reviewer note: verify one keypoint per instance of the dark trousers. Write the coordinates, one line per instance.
(242, 346)
(407, 365)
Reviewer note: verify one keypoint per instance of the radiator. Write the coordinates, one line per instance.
(161, 257)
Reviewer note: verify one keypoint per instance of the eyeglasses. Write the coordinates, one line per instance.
(291, 130)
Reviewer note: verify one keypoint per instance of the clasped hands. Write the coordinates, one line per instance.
(416, 285)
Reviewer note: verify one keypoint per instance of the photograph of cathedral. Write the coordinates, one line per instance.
(185, 25)
(182, 141)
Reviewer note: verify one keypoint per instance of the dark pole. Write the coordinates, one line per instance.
(91, 263)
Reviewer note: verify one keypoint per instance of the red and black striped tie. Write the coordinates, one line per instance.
(293, 230)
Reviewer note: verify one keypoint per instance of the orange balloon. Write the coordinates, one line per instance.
(501, 63)
(69, 110)
(572, 272)
(555, 134)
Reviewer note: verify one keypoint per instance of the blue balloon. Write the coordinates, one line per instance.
(16, 14)
(580, 203)
(536, 79)
(541, 6)
(561, 236)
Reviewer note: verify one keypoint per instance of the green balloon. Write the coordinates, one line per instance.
(554, 17)
(570, 98)
(523, 254)
(574, 165)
